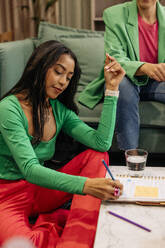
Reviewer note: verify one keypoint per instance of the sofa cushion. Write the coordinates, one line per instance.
(48, 31)
(80, 42)
(13, 58)
(90, 62)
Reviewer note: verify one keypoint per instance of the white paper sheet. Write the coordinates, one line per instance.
(149, 188)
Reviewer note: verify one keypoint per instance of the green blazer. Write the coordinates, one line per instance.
(121, 41)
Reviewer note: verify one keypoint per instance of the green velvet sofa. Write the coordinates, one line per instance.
(89, 47)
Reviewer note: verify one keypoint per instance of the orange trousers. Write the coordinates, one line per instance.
(54, 227)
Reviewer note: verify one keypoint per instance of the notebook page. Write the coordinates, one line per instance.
(140, 189)
(149, 188)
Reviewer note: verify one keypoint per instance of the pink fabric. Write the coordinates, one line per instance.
(54, 227)
(148, 41)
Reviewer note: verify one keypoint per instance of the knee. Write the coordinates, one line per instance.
(96, 153)
(93, 154)
(93, 164)
(128, 91)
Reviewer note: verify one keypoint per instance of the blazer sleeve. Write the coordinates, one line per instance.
(117, 44)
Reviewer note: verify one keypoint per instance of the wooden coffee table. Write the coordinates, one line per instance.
(113, 232)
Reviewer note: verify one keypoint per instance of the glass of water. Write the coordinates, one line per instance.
(136, 161)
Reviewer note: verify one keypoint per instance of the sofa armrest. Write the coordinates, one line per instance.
(13, 58)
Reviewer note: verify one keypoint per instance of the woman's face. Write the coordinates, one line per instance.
(59, 75)
(146, 4)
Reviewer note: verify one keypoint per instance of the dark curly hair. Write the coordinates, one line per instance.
(33, 83)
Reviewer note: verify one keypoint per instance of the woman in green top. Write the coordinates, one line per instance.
(32, 114)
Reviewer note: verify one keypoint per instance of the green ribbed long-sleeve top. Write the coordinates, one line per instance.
(20, 160)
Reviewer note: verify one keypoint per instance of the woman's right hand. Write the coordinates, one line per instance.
(154, 71)
(102, 188)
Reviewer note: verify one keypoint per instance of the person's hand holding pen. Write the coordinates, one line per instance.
(113, 73)
(103, 188)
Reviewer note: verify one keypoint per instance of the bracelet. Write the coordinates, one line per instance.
(111, 93)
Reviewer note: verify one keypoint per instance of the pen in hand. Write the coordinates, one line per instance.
(117, 190)
(109, 172)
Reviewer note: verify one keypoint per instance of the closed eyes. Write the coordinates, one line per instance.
(60, 73)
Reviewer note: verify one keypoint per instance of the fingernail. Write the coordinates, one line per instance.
(117, 192)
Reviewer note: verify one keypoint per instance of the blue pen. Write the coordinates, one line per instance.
(106, 166)
(116, 190)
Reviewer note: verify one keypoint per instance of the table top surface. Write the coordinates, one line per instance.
(113, 232)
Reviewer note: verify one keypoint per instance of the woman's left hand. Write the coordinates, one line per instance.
(113, 73)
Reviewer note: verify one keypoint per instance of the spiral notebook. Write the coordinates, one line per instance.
(147, 190)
